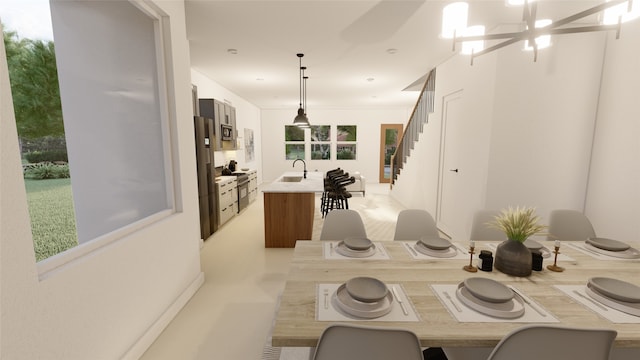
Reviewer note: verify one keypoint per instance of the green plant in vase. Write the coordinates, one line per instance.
(512, 256)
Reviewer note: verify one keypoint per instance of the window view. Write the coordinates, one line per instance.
(36, 99)
(346, 147)
(321, 142)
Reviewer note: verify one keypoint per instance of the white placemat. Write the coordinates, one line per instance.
(330, 252)
(547, 259)
(533, 313)
(577, 293)
(579, 245)
(327, 311)
(461, 253)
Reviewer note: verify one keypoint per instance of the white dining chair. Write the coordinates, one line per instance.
(569, 225)
(412, 224)
(358, 342)
(342, 223)
(480, 231)
(535, 342)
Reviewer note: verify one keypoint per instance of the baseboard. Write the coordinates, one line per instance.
(137, 350)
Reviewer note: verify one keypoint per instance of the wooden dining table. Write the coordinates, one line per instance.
(296, 323)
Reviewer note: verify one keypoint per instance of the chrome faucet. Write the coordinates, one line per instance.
(305, 166)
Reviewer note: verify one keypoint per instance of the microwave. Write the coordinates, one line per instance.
(227, 132)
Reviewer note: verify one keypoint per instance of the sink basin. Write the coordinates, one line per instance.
(291, 179)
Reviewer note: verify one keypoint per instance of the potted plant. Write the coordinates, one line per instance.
(512, 256)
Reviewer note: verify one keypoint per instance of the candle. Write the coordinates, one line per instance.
(472, 244)
(557, 243)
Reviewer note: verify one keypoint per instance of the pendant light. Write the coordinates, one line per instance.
(301, 119)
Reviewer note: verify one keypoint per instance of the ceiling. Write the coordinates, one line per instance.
(358, 54)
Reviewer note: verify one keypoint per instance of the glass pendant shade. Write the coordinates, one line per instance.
(454, 19)
(543, 41)
(612, 14)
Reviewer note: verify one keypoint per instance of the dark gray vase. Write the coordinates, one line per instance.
(513, 258)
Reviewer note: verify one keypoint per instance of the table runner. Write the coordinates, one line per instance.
(462, 313)
(331, 313)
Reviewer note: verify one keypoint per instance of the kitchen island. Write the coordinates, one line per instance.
(289, 206)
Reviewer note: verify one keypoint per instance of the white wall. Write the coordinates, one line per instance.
(533, 138)
(247, 117)
(613, 198)
(114, 301)
(368, 139)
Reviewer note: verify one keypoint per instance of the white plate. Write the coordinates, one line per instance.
(630, 253)
(367, 310)
(607, 244)
(359, 244)
(488, 290)
(625, 307)
(343, 250)
(450, 252)
(506, 310)
(366, 289)
(616, 289)
(435, 243)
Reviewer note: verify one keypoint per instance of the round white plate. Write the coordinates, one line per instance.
(359, 244)
(507, 310)
(488, 290)
(630, 253)
(367, 310)
(616, 289)
(343, 250)
(447, 253)
(607, 244)
(625, 307)
(435, 243)
(366, 289)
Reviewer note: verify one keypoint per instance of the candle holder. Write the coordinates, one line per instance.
(555, 267)
(470, 267)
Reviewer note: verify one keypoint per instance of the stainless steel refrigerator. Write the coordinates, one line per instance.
(207, 196)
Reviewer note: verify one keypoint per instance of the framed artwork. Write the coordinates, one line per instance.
(294, 151)
(293, 133)
(320, 133)
(249, 150)
(346, 151)
(321, 151)
(347, 133)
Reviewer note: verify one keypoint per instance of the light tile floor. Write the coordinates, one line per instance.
(230, 316)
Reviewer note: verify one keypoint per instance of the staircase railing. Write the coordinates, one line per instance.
(419, 117)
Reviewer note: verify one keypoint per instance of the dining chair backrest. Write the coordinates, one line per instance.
(342, 223)
(357, 342)
(412, 224)
(535, 342)
(569, 225)
(480, 231)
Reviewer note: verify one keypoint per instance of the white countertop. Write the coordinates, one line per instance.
(313, 183)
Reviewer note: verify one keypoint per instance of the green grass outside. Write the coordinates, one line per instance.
(53, 219)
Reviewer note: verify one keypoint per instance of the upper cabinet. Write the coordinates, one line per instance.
(224, 117)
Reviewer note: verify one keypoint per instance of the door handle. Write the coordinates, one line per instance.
(454, 170)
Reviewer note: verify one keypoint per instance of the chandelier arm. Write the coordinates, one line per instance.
(497, 46)
(531, 24)
(594, 10)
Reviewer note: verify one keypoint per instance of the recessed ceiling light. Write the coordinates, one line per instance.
(232, 51)
(392, 51)
(370, 79)
(259, 79)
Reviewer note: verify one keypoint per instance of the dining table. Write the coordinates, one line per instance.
(436, 319)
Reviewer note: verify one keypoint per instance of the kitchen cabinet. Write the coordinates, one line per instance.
(227, 198)
(222, 114)
(253, 185)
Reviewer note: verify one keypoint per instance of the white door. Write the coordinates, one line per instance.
(454, 192)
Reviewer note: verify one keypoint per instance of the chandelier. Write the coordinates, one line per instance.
(537, 32)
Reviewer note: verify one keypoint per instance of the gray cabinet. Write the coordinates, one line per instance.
(224, 116)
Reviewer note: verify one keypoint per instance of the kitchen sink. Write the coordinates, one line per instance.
(291, 179)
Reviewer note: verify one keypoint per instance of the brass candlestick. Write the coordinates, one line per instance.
(555, 267)
(470, 267)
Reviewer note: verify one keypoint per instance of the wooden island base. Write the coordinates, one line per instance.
(288, 217)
